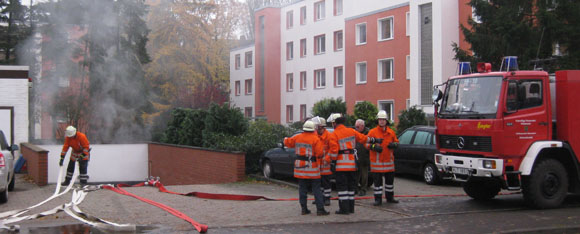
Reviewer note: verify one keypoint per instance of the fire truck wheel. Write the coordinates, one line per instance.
(547, 186)
(430, 174)
(482, 189)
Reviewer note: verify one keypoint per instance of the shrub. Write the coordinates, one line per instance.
(411, 117)
(367, 112)
(327, 106)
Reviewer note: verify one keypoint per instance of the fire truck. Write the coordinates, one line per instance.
(510, 129)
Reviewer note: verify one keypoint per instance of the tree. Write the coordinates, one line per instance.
(327, 106)
(367, 112)
(13, 29)
(411, 117)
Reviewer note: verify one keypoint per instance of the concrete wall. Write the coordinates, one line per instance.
(14, 94)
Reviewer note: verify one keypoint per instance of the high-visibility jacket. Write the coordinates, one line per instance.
(79, 144)
(308, 149)
(342, 143)
(384, 161)
(325, 163)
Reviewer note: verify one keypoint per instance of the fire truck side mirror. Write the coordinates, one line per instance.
(437, 95)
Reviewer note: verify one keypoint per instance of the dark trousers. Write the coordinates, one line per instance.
(362, 176)
(326, 186)
(303, 193)
(389, 184)
(345, 185)
(83, 165)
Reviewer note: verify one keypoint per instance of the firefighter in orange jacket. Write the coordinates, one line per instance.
(309, 150)
(325, 169)
(342, 149)
(382, 159)
(80, 152)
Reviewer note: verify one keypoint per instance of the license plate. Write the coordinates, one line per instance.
(462, 171)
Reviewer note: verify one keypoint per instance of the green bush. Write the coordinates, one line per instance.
(411, 117)
(327, 106)
(185, 127)
(223, 119)
(367, 112)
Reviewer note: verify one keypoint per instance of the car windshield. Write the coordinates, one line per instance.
(473, 97)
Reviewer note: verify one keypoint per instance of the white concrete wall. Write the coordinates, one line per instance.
(242, 101)
(362, 7)
(109, 163)
(311, 62)
(445, 18)
(14, 92)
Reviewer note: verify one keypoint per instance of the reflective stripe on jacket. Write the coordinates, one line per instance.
(79, 144)
(344, 138)
(306, 144)
(325, 161)
(385, 161)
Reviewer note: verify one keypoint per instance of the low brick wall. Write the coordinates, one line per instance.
(36, 162)
(179, 165)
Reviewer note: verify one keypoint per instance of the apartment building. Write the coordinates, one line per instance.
(242, 76)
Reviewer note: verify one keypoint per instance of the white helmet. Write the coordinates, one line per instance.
(322, 122)
(308, 126)
(333, 117)
(382, 115)
(316, 120)
(70, 131)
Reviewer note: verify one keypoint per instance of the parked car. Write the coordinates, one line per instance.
(6, 167)
(279, 161)
(415, 154)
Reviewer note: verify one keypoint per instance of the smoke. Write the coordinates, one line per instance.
(86, 61)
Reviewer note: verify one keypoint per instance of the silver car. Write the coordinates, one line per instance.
(6, 167)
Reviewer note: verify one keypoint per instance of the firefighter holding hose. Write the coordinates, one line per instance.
(80, 152)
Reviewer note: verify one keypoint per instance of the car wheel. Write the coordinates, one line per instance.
(430, 174)
(267, 169)
(4, 196)
(11, 185)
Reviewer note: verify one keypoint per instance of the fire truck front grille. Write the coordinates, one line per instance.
(473, 143)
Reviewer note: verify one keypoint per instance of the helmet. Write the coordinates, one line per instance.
(70, 131)
(316, 120)
(322, 122)
(308, 126)
(382, 115)
(333, 117)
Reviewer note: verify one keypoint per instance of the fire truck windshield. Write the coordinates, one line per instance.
(472, 97)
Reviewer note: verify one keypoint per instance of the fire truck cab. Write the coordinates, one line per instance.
(514, 130)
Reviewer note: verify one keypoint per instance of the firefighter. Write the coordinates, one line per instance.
(80, 152)
(342, 144)
(325, 168)
(382, 159)
(308, 148)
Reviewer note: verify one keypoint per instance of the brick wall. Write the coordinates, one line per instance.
(176, 165)
(36, 162)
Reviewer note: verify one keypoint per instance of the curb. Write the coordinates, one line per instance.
(275, 181)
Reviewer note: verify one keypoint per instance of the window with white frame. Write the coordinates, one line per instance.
(289, 113)
(238, 88)
(303, 80)
(319, 10)
(338, 40)
(289, 82)
(385, 71)
(289, 19)
(361, 33)
(385, 28)
(361, 72)
(248, 84)
(319, 79)
(237, 61)
(408, 103)
(248, 61)
(303, 15)
(248, 112)
(408, 23)
(386, 105)
(338, 76)
(337, 7)
(289, 50)
(303, 47)
(319, 44)
(302, 112)
(408, 67)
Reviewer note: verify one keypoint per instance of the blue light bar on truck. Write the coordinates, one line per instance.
(463, 68)
(509, 63)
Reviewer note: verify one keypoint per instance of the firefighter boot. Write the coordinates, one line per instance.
(378, 201)
(322, 212)
(351, 206)
(342, 207)
(327, 201)
(66, 182)
(391, 198)
(305, 210)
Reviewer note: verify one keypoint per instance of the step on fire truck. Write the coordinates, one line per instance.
(514, 130)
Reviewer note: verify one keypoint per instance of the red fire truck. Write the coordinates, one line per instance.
(513, 130)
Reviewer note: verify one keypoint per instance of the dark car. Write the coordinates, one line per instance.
(280, 160)
(415, 154)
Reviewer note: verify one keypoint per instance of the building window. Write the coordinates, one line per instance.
(303, 15)
(319, 44)
(248, 112)
(302, 112)
(289, 50)
(248, 87)
(303, 80)
(361, 72)
(248, 59)
(289, 114)
(408, 103)
(386, 105)
(337, 7)
(238, 88)
(237, 62)
(289, 82)
(361, 33)
(319, 10)
(385, 70)
(338, 40)
(385, 28)
(408, 68)
(289, 19)
(338, 76)
(319, 79)
(408, 23)
(303, 48)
